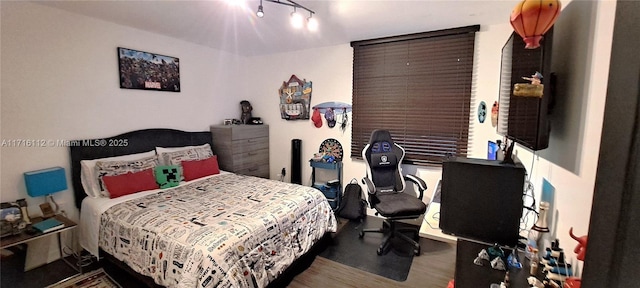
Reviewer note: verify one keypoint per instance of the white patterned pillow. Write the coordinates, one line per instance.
(160, 150)
(88, 175)
(172, 156)
(114, 168)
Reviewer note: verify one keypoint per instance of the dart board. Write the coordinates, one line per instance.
(331, 147)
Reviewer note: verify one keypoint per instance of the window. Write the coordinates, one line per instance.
(418, 87)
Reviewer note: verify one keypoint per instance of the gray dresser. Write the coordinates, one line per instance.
(242, 149)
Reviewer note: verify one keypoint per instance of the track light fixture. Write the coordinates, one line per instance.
(297, 20)
(312, 23)
(260, 13)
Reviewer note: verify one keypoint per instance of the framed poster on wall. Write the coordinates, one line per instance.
(148, 71)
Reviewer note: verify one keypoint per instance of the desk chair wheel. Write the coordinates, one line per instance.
(416, 251)
(361, 234)
(379, 251)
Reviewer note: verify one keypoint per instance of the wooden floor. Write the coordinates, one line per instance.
(433, 268)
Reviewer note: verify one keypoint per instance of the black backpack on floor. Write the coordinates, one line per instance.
(352, 205)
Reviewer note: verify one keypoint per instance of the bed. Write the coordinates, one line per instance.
(214, 230)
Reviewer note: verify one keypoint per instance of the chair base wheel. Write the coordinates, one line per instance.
(361, 234)
(379, 251)
(416, 251)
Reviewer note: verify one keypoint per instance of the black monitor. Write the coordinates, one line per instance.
(482, 200)
(525, 119)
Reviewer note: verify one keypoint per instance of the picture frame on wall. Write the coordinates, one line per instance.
(148, 71)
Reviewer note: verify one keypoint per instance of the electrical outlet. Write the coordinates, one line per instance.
(283, 173)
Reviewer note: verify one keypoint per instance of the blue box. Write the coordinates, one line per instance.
(330, 192)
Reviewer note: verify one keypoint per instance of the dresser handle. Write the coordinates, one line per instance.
(251, 140)
(252, 153)
(253, 169)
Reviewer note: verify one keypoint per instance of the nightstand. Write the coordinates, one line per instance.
(23, 237)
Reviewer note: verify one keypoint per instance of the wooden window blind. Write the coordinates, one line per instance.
(418, 87)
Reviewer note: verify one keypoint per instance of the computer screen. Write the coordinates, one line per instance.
(492, 150)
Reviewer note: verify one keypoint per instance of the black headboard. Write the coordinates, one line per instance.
(128, 143)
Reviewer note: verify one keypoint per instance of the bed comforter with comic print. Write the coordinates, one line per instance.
(224, 231)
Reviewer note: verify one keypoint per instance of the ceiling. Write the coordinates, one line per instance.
(236, 29)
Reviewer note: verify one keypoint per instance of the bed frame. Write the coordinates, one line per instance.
(143, 141)
(128, 143)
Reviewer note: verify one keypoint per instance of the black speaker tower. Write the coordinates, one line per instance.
(296, 161)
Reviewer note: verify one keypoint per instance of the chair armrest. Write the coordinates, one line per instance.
(422, 186)
(371, 188)
(371, 191)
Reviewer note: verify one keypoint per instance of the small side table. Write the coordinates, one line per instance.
(23, 237)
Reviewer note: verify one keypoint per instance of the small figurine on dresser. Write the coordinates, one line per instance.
(245, 117)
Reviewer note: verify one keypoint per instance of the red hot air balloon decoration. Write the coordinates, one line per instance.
(532, 18)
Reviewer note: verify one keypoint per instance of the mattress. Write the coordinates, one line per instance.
(220, 231)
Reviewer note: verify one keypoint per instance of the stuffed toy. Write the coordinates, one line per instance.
(245, 117)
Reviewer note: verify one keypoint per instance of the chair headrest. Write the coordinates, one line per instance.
(380, 136)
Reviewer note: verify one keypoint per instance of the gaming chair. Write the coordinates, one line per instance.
(385, 186)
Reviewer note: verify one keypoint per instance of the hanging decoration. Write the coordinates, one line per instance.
(345, 120)
(316, 119)
(494, 114)
(331, 117)
(532, 18)
(482, 111)
(335, 113)
(295, 99)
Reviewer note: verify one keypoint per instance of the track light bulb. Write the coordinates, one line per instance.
(297, 21)
(312, 24)
(260, 12)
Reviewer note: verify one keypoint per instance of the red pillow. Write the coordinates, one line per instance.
(129, 183)
(200, 168)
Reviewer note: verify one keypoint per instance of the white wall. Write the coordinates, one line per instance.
(60, 81)
(329, 69)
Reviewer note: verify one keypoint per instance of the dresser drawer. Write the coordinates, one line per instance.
(249, 159)
(249, 131)
(250, 145)
(258, 171)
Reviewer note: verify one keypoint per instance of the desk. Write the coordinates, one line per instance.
(430, 225)
(10, 241)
